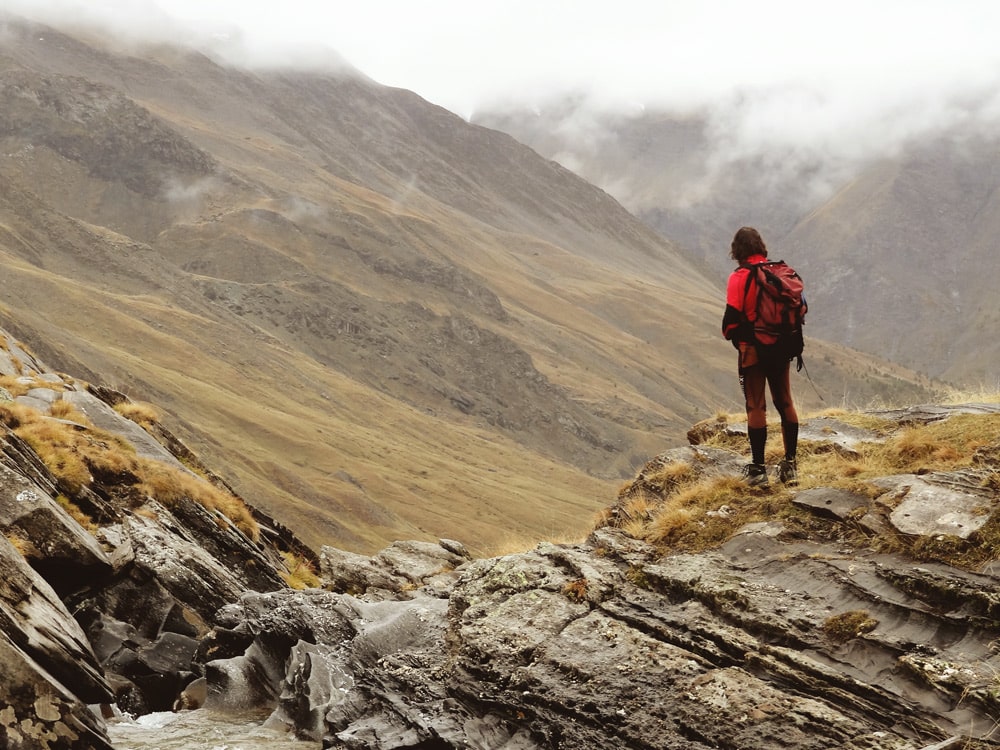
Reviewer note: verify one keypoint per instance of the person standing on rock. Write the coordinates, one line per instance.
(759, 365)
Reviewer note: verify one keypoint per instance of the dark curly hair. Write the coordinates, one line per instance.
(747, 242)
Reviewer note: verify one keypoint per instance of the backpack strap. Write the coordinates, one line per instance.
(752, 275)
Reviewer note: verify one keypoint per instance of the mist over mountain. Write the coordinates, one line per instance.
(391, 322)
(895, 240)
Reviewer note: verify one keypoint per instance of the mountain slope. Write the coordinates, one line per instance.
(907, 248)
(392, 323)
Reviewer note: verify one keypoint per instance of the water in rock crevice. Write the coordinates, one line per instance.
(200, 730)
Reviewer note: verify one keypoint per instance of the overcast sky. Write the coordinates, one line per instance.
(840, 76)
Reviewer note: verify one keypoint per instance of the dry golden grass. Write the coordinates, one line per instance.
(301, 574)
(76, 453)
(15, 386)
(576, 590)
(65, 410)
(170, 485)
(639, 506)
(61, 448)
(847, 625)
(141, 413)
(679, 513)
(22, 545)
(918, 447)
(873, 422)
(668, 523)
(515, 543)
(984, 394)
(706, 512)
(18, 385)
(941, 446)
(76, 513)
(671, 475)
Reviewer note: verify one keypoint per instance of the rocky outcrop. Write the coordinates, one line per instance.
(105, 132)
(765, 642)
(402, 566)
(771, 639)
(48, 671)
(144, 581)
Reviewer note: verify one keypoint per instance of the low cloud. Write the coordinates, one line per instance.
(813, 88)
(189, 193)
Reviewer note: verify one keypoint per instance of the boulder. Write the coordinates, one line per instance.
(944, 503)
(402, 566)
(835, 504)
(271, 625)
(106, 418)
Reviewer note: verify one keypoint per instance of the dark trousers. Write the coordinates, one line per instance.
(776, 376)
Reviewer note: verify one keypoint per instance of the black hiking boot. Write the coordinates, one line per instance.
(756, 475)
(788, 472)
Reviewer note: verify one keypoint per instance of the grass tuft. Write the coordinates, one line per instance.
(301, 574)
(76, 513)
(62, 409)
(576, 590)
(849, 625)
(143, 414)
(170, 485)
(24, 547)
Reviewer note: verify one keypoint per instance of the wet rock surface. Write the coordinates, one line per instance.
(606, 644)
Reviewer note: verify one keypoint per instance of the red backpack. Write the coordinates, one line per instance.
(781, 308)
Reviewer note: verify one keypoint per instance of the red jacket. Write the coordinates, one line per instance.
(739, 307)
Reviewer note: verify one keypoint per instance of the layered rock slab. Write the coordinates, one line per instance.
(608, 644)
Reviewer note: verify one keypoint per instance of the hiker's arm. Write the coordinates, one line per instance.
(735, 327)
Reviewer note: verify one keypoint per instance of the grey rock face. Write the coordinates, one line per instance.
(68, 553)
(106, 418)
(955, 504)
(48, 671)
(144, 587)
(401, 565)
(607, 644)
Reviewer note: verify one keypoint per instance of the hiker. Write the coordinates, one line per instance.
(760, 363)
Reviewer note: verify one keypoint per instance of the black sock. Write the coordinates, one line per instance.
(790, 436)
(758, 438)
